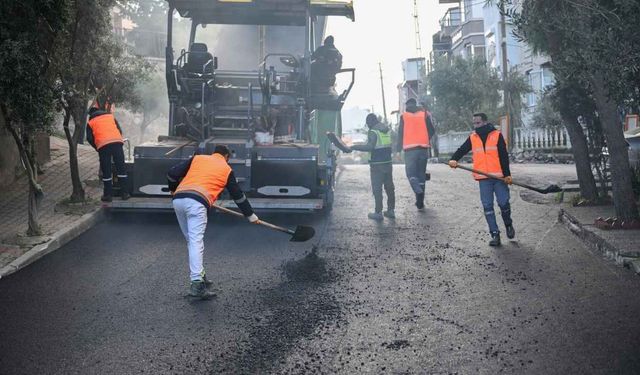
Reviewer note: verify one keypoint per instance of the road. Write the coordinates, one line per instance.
(419, 294)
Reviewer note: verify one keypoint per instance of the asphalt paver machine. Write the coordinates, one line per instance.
(260, 103)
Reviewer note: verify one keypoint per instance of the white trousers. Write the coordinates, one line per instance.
(192, 217)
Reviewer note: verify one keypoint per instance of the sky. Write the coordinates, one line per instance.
(383, 33)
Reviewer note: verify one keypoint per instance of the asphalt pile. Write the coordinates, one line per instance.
(311, 268)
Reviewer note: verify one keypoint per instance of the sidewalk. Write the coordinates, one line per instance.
(623, 246)
(60, 223)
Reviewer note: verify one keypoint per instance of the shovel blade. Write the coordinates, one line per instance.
(302, 234)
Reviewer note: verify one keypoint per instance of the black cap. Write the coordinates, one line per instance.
(411, 102)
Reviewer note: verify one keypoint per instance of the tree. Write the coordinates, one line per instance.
(28, 30)
(593, 42)
(517, 86)
(154, 103)
(545, 115)
(150, 31)
(90, 62)
(459, 88)
(576, 107)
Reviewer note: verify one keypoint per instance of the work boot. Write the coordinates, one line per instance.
(124, 188)
(199, 289)
(107, 191)
(495, 239)
(375, 216)
(420, 201)
(390, 214)
(510, 231)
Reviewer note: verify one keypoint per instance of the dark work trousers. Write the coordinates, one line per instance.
(107, 153)
(489, 187)
(382, 175)
(415, 165)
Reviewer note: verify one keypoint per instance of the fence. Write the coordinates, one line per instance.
(524, 139)
(539, 139)
(449, 143)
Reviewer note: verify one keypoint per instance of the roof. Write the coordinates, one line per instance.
(260, 12)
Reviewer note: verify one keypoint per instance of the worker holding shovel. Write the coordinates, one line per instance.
(196, 184)
(491, 157)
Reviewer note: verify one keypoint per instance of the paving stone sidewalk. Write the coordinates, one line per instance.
(623, 246)
(59, 222)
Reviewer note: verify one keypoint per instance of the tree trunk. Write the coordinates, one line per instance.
(580, 150)
(78, 194)
(35, 197)
(35, 190)
(622, 189)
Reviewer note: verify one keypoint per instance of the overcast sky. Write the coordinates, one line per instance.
(383, 32)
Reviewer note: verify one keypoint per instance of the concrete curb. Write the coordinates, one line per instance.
(629, 260)
(58, 239)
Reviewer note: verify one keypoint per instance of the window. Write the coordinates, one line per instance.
(535, 81)
(547, 77)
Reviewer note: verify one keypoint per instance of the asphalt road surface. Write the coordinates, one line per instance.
(419, 294)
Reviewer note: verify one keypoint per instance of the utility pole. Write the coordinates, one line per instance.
(416, 25)
(262, 42)
(505, 71)
(384, 104)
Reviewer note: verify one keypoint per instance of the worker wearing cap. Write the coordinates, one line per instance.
(379, 147)
(196, 184)
(105, 135)
(490, 155)
(415, 133)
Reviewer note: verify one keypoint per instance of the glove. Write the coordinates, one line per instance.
(453, 164)
(253, 219)
(508, 180)
(348, 150)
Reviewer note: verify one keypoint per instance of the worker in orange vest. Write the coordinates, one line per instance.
(490, 156)
(196, 184)
(415, 133)
(105, 135)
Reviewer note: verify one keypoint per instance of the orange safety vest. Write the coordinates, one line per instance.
(486, 157)
(105, 130)
(415, 132)
(207, 177)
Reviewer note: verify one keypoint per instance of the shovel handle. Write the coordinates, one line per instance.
(500, 178)
(178, 148)
(480, 172)
(264, 223)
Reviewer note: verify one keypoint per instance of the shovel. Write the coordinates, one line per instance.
(301, 234)
(547, 190)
